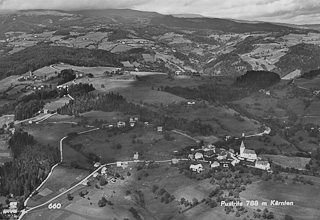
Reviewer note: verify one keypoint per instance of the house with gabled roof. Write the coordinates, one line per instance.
(196, 168)
(262, 164)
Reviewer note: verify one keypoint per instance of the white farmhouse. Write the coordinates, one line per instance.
(261, 164)
(196, 168)
(198, 156)
(215, 164)
(246, 153)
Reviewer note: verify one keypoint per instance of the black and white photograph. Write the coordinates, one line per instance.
(159, 110)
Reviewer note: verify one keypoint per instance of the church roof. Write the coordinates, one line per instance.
(247, 151)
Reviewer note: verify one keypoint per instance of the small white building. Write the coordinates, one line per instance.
(190, 156)
(136, 156)
(191, 103)
(103, 170)
(95, 175)
(196, 168)
(119, 164)
(215, 164)
(174, 161)
(121, 124)
(198, 156)
(222, 156)
(159, 129)
(97, 164)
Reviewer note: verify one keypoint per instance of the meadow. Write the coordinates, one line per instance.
(121, 147)
(61, 179)
(53, 105)
(284, 161)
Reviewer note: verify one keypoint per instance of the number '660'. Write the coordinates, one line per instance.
(54, 206)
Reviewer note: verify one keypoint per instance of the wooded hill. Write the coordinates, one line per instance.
(40, 55)
(304, 57)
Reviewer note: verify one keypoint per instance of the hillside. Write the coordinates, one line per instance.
(41, 55)
(304, 57)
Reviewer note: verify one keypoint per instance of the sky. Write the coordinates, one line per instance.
(286, 11)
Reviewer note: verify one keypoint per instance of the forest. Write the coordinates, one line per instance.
(31, 164)
(257, 79)
(42, 54)
(115, 102)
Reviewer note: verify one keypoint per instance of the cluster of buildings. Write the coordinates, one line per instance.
(11, 210)
(31, 77)
(223, 158)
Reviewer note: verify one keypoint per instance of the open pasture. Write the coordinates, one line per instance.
(145, 93)
(96, 71)
(309, 83)
(295, 162)
(53, 105)
(49, 133)
(261, 105)
(6, 119)
(275, 142)
(121, 146)
(121, 48)
(8, 81)
(61, 179)
(110, 117)
(292, 75)
(223, 120)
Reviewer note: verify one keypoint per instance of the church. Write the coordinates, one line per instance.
(246, 153)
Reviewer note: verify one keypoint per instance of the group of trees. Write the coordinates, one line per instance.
(31, 164)
(257, 79)
(66, 75)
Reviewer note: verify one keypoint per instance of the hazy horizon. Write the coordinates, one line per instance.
(282, 11)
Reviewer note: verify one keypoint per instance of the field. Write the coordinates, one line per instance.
(6, 119)
(96, 71)
(53, 105)
(120, 147)
(5, 153)
(262, 105)
(150, 144)
(295, 162)
(49, 133)
(304, 197)
(309, 83)
(87, 208)
(292, 75)
(272, 143)
(223, 120)
(110, 117)
(61, 179)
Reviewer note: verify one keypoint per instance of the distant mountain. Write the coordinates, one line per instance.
(217, 24)
(187, 16)
(109, 13)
